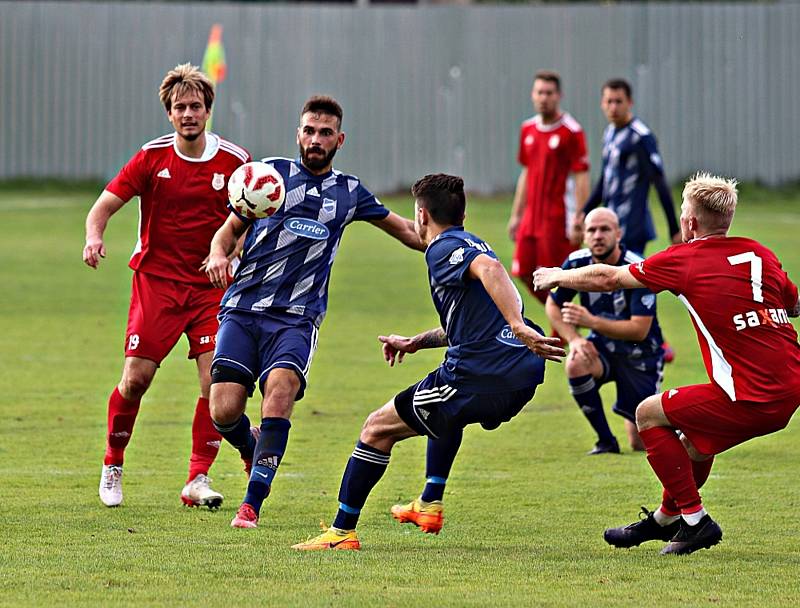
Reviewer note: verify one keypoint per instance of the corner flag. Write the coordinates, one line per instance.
(214, 60)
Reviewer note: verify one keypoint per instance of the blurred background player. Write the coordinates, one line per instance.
(488, 376)
(555, 174)
(740, 300)
(631, 162)
(272, 312)
(181, 181)
(624, 344)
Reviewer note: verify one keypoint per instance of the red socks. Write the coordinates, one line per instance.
(672, 466)
(700, 472)
(205, 440)
(121, 417)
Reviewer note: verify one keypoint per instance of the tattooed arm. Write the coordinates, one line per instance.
(395, 347)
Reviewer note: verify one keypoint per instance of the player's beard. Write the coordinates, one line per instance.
(604, 255)
(316, 163)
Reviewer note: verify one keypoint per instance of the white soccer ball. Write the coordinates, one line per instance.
(256, 190)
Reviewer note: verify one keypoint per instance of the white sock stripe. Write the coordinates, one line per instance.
(369, 453)
(370, 457)
(582, 388)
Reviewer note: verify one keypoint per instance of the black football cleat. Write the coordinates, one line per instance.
(604, 447)
(689, 539)
(641, 531)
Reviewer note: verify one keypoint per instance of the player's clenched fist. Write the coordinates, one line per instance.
(93, 251)
(544, 278)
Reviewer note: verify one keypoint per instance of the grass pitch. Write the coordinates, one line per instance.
(525, 508)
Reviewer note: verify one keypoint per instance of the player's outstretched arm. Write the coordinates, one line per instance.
(106, 205)
(222, 247)
(395, 347)
(402, 229)
(498, 285)
(595, 277)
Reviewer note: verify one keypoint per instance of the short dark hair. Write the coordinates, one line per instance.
(619, 84)
(322, 104)
(549, 76)
(443, 196)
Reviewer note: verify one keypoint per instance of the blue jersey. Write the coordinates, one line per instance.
(618, 305)
(630, 162)
(483, 356)
(287, 258)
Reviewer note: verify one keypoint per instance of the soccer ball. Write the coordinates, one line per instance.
(256, 190)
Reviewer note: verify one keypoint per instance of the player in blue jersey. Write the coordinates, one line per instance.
(624, 342)
(493, 364)
(271, 313)
(631, 162)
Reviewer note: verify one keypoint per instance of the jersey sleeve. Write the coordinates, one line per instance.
(368, 207)
(651, 156)
(580, 155)
(643, 303)
(666, 270)
(132, 178)
(449, 260)
(522, 158)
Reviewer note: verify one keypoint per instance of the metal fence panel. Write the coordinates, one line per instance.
(427, 88)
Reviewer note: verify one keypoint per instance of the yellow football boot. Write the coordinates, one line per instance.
(332, 538)
(427, 516)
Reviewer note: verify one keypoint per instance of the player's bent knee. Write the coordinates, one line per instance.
(135, 384)
(649, 413)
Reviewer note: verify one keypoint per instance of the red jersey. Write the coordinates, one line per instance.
(550, 153)
(737, 294)
(183, 201)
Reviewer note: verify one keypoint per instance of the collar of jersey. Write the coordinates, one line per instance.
(212, 145)
(443, 232)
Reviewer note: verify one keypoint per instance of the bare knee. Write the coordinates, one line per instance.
(280, 391)
(136, 379)
(227, 402)
(650, 414)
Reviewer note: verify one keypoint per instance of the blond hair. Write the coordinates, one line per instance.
(182, 79)
(713, 198)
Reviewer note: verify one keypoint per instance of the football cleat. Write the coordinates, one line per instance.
(246, 517)
(427, 516)
(689, 539)
(255, 431)
(198, 493)
(647, 528)
(603, 447)
(111, 485)
(331, 538)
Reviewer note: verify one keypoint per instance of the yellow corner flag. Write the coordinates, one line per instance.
(214, 60)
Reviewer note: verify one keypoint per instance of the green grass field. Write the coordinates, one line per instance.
(525, 508)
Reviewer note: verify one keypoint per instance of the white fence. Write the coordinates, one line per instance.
(426, 88)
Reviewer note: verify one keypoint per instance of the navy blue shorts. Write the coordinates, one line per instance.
(431, 407)
(636, 379)
(257, 343)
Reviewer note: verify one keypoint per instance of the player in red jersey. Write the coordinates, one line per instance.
(181, 181)
(555, 173)
(740, 300)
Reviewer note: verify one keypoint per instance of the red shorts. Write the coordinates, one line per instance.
(714, 423)
(532, 253)
(161, 310)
